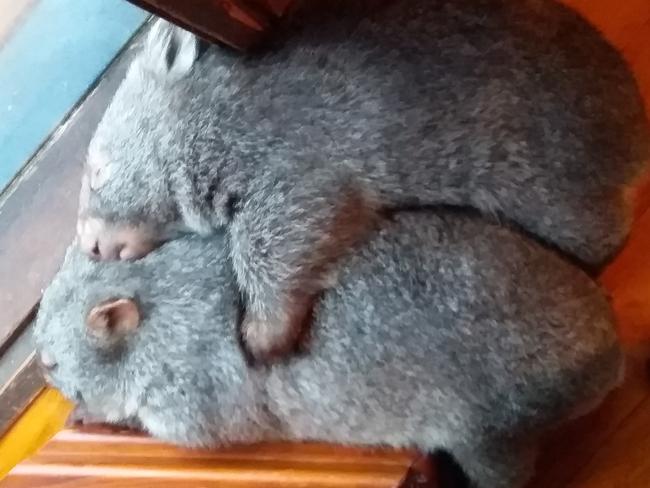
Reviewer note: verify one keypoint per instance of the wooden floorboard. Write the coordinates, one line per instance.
(611, 447)
(624, 460)
(569, 449)
(628, 283)
(110, 459)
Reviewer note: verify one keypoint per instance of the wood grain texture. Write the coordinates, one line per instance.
(623, 460)
(610, 448)
(105, 458)
(568, 450)
(628, 283)
(626, 25)
(18, 393)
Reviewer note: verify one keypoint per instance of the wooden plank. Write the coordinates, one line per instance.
(103, 457)
(628, 281)
(75, 443)
(624, 461)
(569, 448)
(19, 392)
(627, 26)
(585, 442)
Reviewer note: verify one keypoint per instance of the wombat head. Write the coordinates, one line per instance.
(126, 207)
(110, 333)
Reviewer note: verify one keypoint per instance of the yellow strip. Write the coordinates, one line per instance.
(45, 417)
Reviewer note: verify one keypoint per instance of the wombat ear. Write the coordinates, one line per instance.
(113, 319)
(169, 51)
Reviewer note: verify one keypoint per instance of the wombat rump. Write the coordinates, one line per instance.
(443, 332)
(516, 108)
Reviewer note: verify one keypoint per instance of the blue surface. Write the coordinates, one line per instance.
(47, 65)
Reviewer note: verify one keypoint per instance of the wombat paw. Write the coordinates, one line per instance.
(266, 340)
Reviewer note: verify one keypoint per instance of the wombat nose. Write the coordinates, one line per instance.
(98, 242)
(94, 252)
(110, 242)
(101, 250)
(108, 251)
(117, 250)
(89, 238)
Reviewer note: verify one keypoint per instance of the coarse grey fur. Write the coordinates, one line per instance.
(444, 332)
(519, 109)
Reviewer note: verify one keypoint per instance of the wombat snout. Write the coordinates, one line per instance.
(105, 242)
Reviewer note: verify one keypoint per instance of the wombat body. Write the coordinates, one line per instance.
(518, 109)
(444, 332)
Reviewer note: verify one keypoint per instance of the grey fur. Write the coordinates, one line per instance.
(444, 332)
(518, 109)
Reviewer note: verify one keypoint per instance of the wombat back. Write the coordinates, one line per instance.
(423, 102)
(444, 313)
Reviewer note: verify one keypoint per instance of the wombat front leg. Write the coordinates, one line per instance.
(285, 240)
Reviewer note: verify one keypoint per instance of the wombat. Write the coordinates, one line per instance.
(516, 108)
(444, 332)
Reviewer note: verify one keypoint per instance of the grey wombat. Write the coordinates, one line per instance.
(516, 108)
(444, 332)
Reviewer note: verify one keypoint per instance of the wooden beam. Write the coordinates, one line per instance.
(104, 457)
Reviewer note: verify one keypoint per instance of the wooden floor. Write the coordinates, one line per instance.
(611, 447)
(109, 459)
